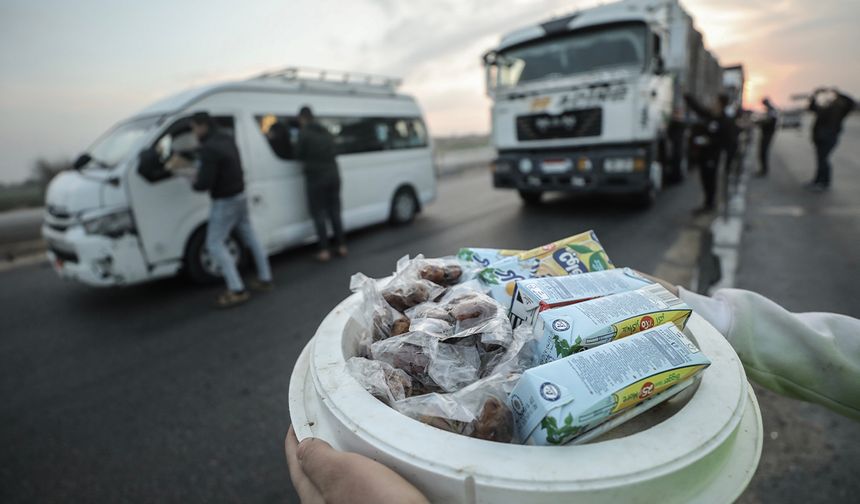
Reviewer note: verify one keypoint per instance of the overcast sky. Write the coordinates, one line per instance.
(69, 70)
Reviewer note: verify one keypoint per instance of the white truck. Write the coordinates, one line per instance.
(593, 101)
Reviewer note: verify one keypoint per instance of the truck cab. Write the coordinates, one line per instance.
(590, 102)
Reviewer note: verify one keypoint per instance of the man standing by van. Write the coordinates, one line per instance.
(322, 181)
(220, 173)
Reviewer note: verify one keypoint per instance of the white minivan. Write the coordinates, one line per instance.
(108, 223)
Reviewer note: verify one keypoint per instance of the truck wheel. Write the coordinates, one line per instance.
(200, 265)
(531, 197)
(649, 196)
(404, 206)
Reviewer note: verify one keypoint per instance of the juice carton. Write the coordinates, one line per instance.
(568, 398)
(575, 254)
(535, 295)
(485, 256)
(569, 329)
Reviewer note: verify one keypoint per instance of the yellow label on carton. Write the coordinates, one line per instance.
(646, 387)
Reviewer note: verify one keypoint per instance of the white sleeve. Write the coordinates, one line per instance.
(809, 356)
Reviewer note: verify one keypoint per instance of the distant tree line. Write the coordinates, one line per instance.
(31, 192)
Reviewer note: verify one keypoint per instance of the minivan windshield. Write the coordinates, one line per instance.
(113, 146)
(580, 52)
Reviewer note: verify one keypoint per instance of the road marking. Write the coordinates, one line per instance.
(842, 211)
(784, 211)
(679, 262)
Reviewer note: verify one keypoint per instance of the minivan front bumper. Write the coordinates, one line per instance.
(95, 260)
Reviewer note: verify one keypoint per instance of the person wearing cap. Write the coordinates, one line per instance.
(219, 172)
(316, 150)
(767, 125)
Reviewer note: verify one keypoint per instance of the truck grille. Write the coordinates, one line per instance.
(569, 124)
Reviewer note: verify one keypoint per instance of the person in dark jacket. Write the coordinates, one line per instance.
(767, 125)
(316, 150)
(718, 135)
(830, 108)
(220, 173)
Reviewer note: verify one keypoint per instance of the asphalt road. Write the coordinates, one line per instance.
(148, 394)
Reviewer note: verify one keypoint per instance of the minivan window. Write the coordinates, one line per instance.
(113, 146)
(352, 135)
(178, 137)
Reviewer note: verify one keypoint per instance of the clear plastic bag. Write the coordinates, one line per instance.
(407, 289)
(431, 363)
(375, 317)
(478, 410)
(381, 379)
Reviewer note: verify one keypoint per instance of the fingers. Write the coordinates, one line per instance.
(349, 477)
(318, 461)
(308, 492)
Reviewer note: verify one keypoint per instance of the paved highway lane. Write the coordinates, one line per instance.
(147, 394)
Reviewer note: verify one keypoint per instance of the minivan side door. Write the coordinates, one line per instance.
(167, 211)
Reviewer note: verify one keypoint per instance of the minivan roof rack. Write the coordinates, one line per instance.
(349, 80)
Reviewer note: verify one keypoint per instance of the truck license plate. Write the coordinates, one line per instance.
(552, 166)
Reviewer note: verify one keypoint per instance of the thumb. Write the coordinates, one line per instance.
(318, 459)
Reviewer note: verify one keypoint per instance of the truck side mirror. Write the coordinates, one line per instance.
(659, 66)
(82, 161)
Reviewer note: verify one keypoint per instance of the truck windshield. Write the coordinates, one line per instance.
(614, 47)
(114, 145)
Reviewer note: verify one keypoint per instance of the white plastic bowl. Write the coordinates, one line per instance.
(701, 446)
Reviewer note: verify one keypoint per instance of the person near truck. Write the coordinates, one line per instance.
(219, 172)
(830, 107)
(718, 135)
(316, 150)
(767, 125)
(812, 357)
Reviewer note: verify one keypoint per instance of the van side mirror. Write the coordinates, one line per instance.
(82, 161)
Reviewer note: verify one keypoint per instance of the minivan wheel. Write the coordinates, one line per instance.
(199, 263)
(404, 206)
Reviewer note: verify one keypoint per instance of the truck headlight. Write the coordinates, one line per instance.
(114, 224)
(525, 165)
(501, 167)
(618, 165)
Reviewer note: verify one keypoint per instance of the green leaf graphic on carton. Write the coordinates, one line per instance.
(466, 254)
(565, 349)
(556, 434)
(597, 263)
(579, 249)
(488, 276)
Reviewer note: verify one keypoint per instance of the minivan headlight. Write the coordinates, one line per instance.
(113, 224)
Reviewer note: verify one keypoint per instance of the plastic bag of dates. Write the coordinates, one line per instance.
(477, 410)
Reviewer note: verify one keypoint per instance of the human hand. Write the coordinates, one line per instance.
(175, 162)
(321, 474)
